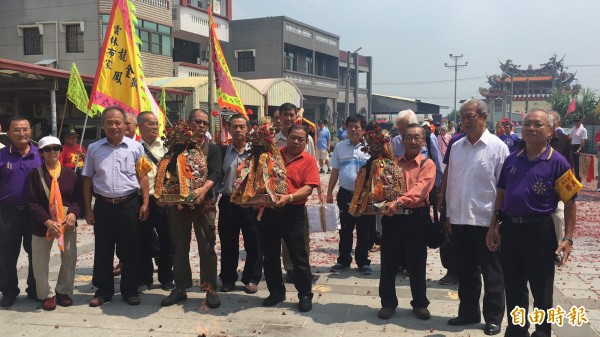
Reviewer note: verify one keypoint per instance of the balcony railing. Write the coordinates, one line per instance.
(195, 21)
(165, 4)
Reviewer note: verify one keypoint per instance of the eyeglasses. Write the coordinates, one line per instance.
(52, 148)
(413, 139)
(534, 125)
(467, 117)
(200, 122)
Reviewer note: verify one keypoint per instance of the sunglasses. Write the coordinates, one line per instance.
(52, 148)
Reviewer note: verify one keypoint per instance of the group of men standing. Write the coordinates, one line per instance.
(488, 194)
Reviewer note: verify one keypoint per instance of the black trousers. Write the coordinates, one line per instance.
(365, 227)
(527, 255)
(447, 254)
(475, 260)
(116, 225)
(157, 220)
(574, 148)
(285, 223)
(14, 229)
(233, 219)
(403, 235)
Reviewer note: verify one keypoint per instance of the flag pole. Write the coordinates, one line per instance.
(211, 69)
(63, 116)
(81, 141)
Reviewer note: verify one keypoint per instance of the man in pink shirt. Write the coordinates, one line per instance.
(403, 228)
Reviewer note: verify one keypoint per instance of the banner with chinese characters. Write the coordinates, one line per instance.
(227, 93)
(76, 91)
(119, 77)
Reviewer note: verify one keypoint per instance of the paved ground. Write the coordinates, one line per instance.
(344, 304)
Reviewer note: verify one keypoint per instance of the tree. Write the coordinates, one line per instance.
(586, 101)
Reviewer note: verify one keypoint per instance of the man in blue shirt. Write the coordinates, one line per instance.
(323, 144)
(346, 160)
(110, 169)
(509, 138)
(342, 133)
(16, 161)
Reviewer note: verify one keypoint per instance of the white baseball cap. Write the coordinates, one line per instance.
(48, 140)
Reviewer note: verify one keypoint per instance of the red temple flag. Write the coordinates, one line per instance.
(571, 108)
(227, 93)
(119, 77)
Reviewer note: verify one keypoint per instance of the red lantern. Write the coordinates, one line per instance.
(215, 113)
(249, 112)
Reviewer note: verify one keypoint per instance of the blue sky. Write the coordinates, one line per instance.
(410, 40)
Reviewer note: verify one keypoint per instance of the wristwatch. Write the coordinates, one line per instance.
(567, 239)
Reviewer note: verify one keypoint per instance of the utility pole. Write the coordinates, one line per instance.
(347, 93)
(527, 97)
(348, 77)
(512, 93)
(455, 66)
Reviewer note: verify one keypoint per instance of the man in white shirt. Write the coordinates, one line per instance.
(159, 218)
(288, 116)
(473, 171)
(578, 138)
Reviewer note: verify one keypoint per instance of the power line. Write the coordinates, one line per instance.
(430, 82)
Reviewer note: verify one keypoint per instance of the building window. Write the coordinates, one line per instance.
(308, 64)
(33, 43)
(290, 60)
(156, 38)
(74, 37)
(245, 61)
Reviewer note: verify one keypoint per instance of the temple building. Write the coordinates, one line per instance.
(518, 90)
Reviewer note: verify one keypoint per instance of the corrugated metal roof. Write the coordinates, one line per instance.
(409, 99)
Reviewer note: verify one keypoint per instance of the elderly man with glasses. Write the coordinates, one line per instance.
(473, 171)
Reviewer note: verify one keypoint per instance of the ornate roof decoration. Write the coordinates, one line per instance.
(539, 77)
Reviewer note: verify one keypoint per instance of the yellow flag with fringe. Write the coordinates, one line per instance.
(76, 91)
(119, 76)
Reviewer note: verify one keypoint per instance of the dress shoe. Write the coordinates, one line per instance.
(175, 296)
(49, 303)
(212, 299)
(8, 300)
(491, 329)
(385, 313)
(273, 299)
(250, 288)
(96, 301)
(64, 300)
(167, 286)
(133, 300)
(448, 279)
(305, 303)
(117, 269)
(227, 287)
(456, 321)
(422, 313)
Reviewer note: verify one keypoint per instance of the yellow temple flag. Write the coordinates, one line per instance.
(119, 77)
(227, 93)
(76, 91)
